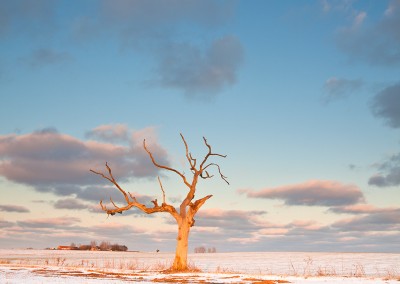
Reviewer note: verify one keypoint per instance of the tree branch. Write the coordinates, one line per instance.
(132, 202)
(113, 181)
(191, 160)
(164, 167)
(219, 170)
(194, 207)
(198, 203)
(162, 189)
(210, 153)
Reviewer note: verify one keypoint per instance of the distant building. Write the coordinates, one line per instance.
(66, 248)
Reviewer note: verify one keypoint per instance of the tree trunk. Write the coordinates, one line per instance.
(180, 262)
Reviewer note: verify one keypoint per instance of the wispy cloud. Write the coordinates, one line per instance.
(141, 20)
(109, 133)
(389, 173)
(237, 220)
(14, 208)
(378, 221)
(197, 71)
(311, 193)
(338, 88)
(70, 203)
(361, 209)
(35, 14)
(160, 30)
(386, 105)
(49, 222)
(200, 69)
(45, 56)
(336, 5)
(376, 44)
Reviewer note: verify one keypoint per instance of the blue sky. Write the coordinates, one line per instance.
(302, 96)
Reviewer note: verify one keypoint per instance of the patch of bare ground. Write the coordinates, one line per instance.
(263, 281)
(88, 274)
(231, 277)
(174, 280)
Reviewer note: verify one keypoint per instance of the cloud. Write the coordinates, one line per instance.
(219, 228)
(309, 225)
(163, 31)
(70, 203)
(244, 230)
(112, 229)
(199, 68)
(337, 88)
(109, 133)
(152, 20)
(311, 193)
(51, 161)
(376, 230)
(360, 209)
(44, 56)
(336, 5)
(326, 6)
(14, 208)
(383, 221)
(386, 105)
(376, 44)
(195, 72)
(389, 174)
(5, 224)
(59, 222)
(242, 222)
(37, 16)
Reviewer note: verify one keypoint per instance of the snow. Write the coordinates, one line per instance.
(49, 266)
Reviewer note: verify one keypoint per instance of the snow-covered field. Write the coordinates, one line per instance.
(46, 266)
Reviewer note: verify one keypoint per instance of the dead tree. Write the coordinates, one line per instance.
(184, 215)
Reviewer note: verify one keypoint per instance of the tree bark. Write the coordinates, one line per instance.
(180, 261)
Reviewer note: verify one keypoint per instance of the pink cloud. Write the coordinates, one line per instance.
(311, 193)
(361, 209)
(46, 158)
(387, 220)
(274, 231)
(216, 212)
(306, 224)
(49, 222)
(109, 132)
(14, 208)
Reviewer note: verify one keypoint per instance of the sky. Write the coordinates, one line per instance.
(302, 96)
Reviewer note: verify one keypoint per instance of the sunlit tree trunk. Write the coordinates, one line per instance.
(180, 261)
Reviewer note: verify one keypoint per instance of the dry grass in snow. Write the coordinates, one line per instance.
(31, 266)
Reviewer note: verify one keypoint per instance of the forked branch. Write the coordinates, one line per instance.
(210, 153)
(192, 161)
(131, 201)
(219, 171)
(164, 167)
(112, 180)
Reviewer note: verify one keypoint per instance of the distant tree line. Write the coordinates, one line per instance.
(205, 250)
(103, 246)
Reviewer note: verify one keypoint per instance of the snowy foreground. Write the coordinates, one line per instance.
(44, 266)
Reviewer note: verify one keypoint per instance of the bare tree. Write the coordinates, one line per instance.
(184, 215)
(93, 244)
